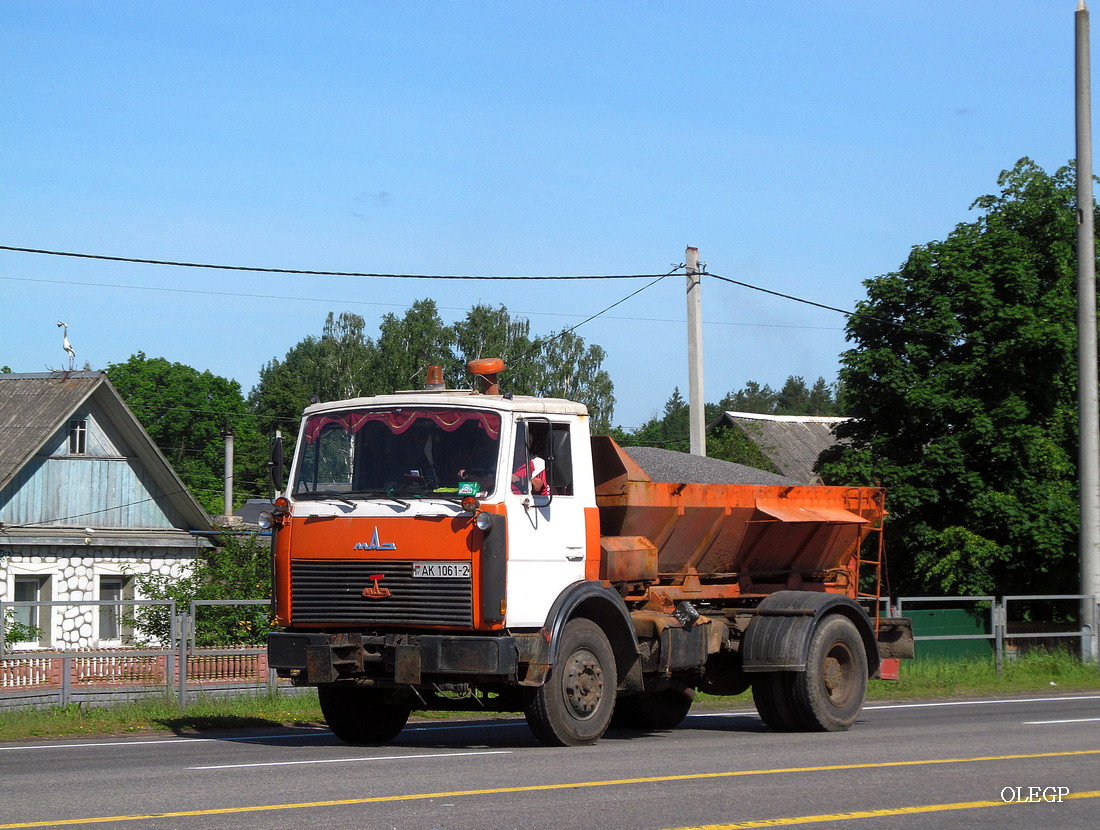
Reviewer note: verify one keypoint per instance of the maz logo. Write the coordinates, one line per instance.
(374, 590)
(375, 544)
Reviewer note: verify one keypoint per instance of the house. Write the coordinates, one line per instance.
(792, 443)
(87, 503)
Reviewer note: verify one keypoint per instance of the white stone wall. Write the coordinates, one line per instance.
(73, 574)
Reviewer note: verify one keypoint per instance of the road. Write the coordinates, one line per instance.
(1023, 763)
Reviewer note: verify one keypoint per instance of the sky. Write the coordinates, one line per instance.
(803, 147)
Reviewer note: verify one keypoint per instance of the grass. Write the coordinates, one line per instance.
(920, 679)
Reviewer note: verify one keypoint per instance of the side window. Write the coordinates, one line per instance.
(543, 460)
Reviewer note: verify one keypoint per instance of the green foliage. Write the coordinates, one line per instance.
(962, 385)
(345, 363)
(19, 632)
(186, 412)
(794, 398)
(240, 569)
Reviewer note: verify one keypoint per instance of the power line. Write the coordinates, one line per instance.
(851, 314)
(347, 301)
(314, 273)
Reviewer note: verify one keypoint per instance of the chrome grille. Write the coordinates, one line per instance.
(331, 591)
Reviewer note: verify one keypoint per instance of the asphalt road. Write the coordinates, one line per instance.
(1021, 763)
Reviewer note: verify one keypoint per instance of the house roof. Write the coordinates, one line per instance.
(33, 407)
(791, 442)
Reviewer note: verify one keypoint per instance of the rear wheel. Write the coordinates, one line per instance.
(361, 716)
(574, 706)
(773, 695)
(829, 695)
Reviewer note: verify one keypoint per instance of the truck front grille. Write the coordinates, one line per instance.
(331, 591)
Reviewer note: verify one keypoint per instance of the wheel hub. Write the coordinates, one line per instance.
(584, 684)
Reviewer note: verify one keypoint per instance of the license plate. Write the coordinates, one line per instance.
(441, 570)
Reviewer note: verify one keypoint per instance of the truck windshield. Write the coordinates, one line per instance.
(411, 451)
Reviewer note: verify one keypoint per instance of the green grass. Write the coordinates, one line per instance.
(920, 679)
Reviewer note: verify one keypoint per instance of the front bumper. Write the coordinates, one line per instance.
(400, 659)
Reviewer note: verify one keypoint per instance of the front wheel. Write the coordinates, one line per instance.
(361, 716)
(574, 706)
(829, 695)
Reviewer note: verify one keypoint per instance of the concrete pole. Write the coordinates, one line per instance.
(228, 492)
(1087, 407)
(696, 405)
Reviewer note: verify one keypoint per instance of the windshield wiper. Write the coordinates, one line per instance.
(317, 495)
(382, 494)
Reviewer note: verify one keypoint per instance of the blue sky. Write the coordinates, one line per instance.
(801, 146)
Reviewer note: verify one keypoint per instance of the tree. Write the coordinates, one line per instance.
(406, 345)
(186, 413)
(345, 363)
(240, 569)
(794, 398)
(962, 387)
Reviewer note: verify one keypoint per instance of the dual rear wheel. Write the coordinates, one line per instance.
(829, 694)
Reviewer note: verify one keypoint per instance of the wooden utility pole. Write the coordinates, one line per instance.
(696, 406)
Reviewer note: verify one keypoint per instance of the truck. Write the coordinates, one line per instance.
(477, 550)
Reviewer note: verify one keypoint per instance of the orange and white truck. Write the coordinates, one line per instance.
(473, 550)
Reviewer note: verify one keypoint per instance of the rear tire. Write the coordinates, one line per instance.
(574, 706)
(773, 695)
(829, 695)
(361, 716)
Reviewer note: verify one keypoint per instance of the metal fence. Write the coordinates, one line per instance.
(178, 668)
(1008, 634)
(175, 668)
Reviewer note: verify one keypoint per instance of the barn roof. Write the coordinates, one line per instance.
(791, 442)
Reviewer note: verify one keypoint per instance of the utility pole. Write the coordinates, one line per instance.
(696, 413)
(1088, 409)
(228, 492)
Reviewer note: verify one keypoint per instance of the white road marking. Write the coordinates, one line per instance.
(1044, 722)
(979, 702)
(180, 740)
(184, 740)
(353, 760)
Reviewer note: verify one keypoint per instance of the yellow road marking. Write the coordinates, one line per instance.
(579, 784)
(889, 811)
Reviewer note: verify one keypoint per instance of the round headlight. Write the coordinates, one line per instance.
(484, 521)
(265, 520)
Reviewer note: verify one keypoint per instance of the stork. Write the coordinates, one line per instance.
(66, 345)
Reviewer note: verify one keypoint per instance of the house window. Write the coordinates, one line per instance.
(78, 436)
(29, 621)
(111, 622)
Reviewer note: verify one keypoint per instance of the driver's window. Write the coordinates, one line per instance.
(530, 474)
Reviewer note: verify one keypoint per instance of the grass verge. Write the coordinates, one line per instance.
(920, 679)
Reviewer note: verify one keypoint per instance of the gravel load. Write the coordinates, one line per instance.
(681, 467)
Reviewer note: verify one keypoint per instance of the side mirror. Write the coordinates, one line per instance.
(275, 465)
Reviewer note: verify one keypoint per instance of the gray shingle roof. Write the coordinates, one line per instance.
(32, 408)
(791, 442)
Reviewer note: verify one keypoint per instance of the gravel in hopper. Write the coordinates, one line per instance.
(681, 467)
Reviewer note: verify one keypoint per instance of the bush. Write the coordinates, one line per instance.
(239, 570)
